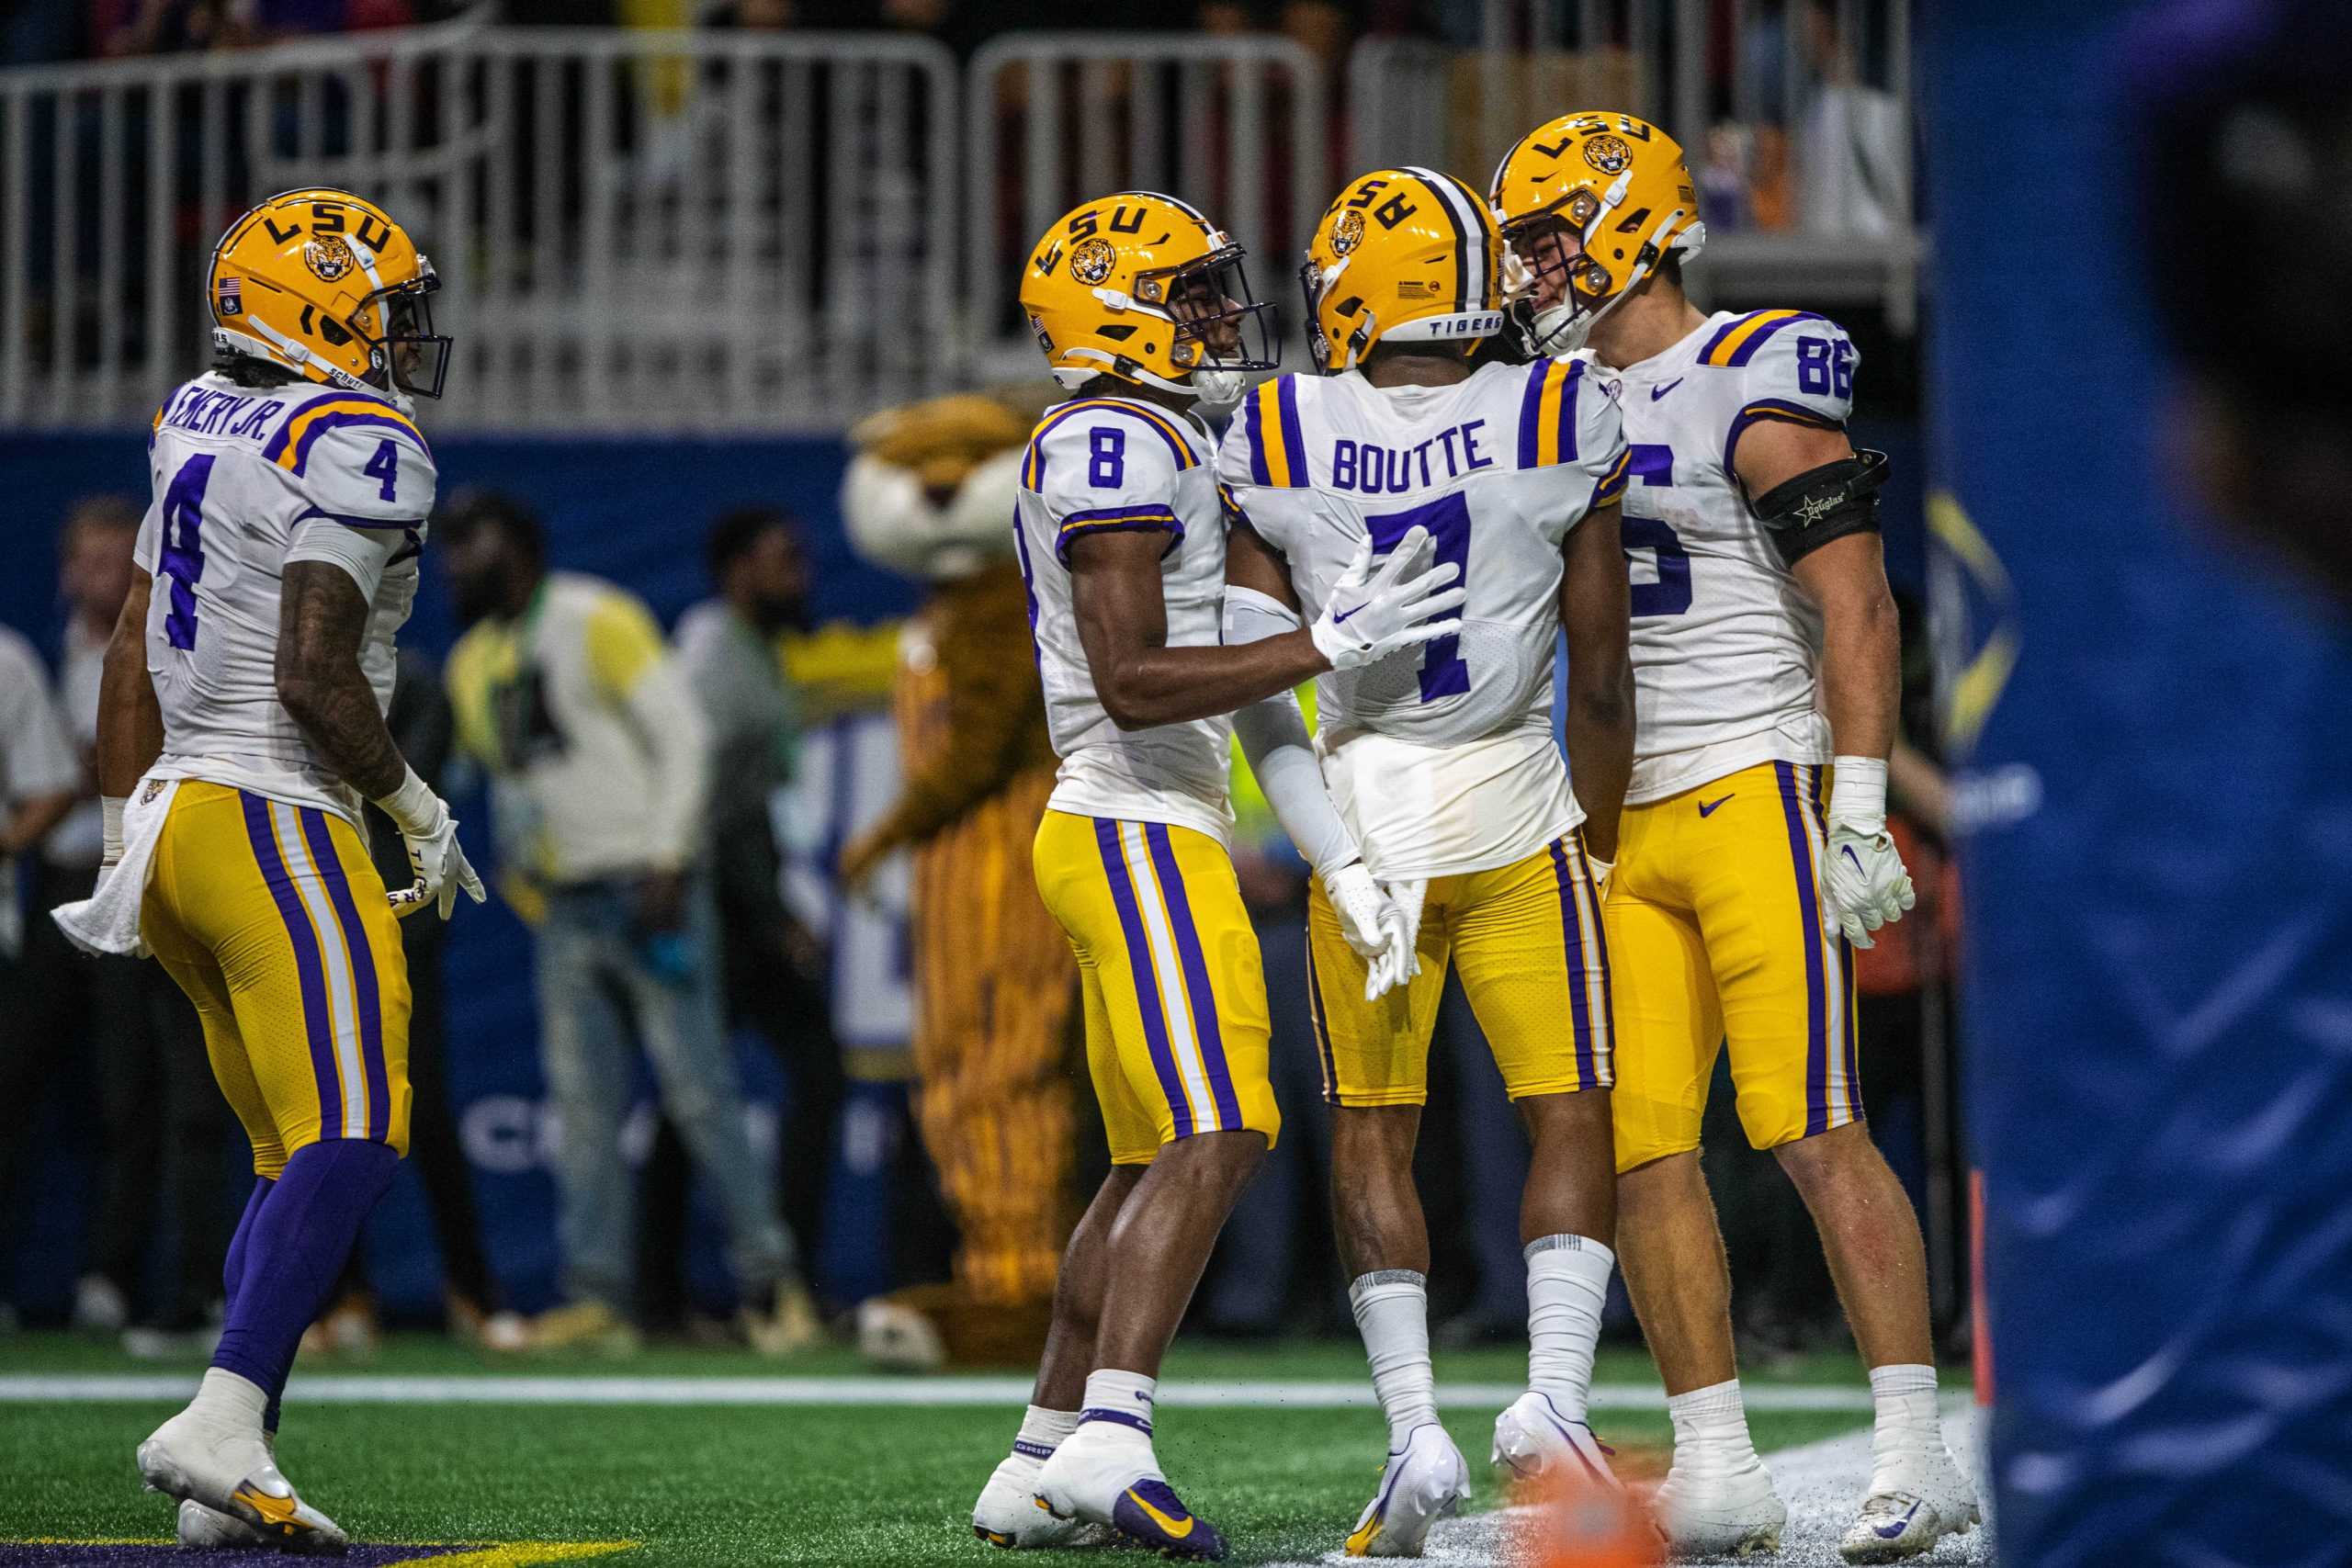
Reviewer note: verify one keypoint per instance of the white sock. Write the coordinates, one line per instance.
(1568, 1284)
(1711, 1426)
(1392, 1308)
(1042, 1431)
(1119, 1405)
(1907, 1421)
(226, 1397)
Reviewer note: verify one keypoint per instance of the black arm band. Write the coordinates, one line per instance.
(1823, 504)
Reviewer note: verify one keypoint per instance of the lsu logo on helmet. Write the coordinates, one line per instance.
(1142, 287)
(1403, 255)
(325, 283)
(1599, 199)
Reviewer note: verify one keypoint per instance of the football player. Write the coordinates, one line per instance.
(1446, 772)
(243, 706)
(1140, 306)
(1754, 853)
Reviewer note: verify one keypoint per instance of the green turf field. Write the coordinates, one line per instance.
(866, 1484)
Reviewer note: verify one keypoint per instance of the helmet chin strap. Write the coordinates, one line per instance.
(1209, 385)
(1562, 329)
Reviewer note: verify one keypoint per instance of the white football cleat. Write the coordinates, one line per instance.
(1007, 1514)
(1912, 1506)
(1424, 1483)
(229, 1472)
(1533, 1441)
(1715, 1510)
(1115, 1481)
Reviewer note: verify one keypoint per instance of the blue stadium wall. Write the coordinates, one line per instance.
(2160, 1003)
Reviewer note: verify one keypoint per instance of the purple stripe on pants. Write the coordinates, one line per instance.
(1844, 981)
(317, 1024)
(1155, 1027)
(1196, 975)
(363, 972)
(1816, 1049)
(1572, 928)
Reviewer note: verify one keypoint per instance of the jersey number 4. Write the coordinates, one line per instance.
(182, 560)
(1444, 672)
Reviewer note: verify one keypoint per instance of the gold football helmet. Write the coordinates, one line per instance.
(1616, 186)
(325, 283)
(1141, 287)
(1403, 256)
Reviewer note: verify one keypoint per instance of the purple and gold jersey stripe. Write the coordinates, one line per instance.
(1547, 413)
(1322, 1025)
(1738, 341)
(1033, 472)
(290, 447)
(1830, 1076)
(1611, 487)
(1195, 964)
(1170, 969)
(1764, 408)
(1117, 520)
(1139, 962)
(1277, 445)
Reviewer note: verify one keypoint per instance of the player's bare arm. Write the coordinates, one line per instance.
(1596, 611)
(1141, 681)
(131, 722)
(322, 619)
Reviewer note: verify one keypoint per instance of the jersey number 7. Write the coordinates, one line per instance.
(1444, 672)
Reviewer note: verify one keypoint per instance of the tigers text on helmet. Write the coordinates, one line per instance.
(325, 283)
(1142, 287)
(1403, 256)
(1620, 186)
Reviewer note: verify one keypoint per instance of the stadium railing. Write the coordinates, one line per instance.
(725, 232)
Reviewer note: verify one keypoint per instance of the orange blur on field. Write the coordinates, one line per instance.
(1578, 1525)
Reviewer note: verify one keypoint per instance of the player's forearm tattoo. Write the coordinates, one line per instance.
(321, 618)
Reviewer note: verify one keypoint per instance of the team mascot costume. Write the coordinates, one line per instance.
(930, 495)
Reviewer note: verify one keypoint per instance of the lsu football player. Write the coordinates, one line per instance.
(1141, 307)
(242, 723)
(1446, 772)
(1753, 852)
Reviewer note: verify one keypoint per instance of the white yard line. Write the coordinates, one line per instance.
(362, 1389)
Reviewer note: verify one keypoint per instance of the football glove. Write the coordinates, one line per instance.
(431, 834)
(1863, 883)
(1372, 925)
(1373, 612)
(1405, 960)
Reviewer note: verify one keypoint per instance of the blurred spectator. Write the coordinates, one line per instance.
(773, 969)
(1851, 144)
(421, 721)
(563, 691)
(38, 784)
(162, 1124)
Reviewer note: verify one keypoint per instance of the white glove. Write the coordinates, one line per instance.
(1372, 613)
(1863, 883)
(1602, 870)
(1405, 960)
(1371, 924)
(431, 834)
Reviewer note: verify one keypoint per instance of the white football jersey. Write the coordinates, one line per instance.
(1726, 647)
(1441, 761)
(1101, 463)
(237, 471)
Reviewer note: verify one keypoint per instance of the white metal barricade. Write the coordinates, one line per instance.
(636, 229)
(1235, 124)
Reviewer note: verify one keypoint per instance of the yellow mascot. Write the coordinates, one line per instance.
(930, 495)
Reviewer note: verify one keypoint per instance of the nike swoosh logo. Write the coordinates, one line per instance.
(1657, 392)
(1888, 1532)
(1340, 620)
(1176, 1531)
(1707, 807)
(1853, 858)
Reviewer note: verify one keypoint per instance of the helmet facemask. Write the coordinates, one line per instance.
(410, 355)
(1223, 330)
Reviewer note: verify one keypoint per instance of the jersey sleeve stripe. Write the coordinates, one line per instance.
(1033, 475)
(1294, 437)
(1765, 408)
(297, 423)
(386, 524)
(1271, 425)
(1547, 414)
(1531, 410)
(1118, 520)
(302, 431)
(1253, 431)
(1565, 425)
(1738, 341)
(1611, 485)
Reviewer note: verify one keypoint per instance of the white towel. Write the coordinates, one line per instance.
(107, 920)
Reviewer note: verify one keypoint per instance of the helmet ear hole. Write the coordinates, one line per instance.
(333, 331)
